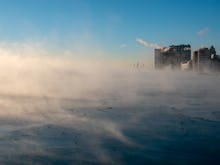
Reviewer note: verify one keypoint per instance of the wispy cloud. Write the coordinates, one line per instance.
(123, 45)
(148, 44)
(203, 31)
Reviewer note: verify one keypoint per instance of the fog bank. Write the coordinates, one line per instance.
(92, 111)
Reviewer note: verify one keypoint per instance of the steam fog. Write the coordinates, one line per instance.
(62, 110)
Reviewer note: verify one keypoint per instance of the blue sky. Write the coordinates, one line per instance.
(111, 26)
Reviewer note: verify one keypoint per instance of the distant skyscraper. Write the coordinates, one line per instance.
(203, 58)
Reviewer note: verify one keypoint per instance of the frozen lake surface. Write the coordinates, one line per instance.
(122, 118)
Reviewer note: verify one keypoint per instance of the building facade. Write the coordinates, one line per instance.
(205, 59)
(172, 56)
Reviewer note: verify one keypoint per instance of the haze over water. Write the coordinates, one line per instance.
(63, 112)
(71, 91)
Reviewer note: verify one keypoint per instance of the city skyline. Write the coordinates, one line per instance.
(109, 28)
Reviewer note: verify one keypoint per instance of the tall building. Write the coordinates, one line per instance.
(158, 58)
(172, 56)
(204, 59)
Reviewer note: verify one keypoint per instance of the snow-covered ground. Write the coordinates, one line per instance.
(61, 115)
